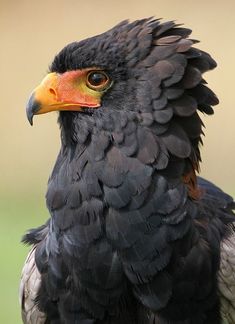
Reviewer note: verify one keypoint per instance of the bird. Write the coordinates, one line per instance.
(135, 235)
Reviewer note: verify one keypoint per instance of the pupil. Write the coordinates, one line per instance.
(97, 78)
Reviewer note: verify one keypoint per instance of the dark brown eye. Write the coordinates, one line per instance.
(97, 80)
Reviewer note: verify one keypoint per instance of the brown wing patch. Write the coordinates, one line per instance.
(190, 179)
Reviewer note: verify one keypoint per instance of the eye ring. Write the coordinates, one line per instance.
(98, 80)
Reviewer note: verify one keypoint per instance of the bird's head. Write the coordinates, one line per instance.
(89, 75)
(144, 69)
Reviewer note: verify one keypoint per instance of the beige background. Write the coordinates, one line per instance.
(33, 31)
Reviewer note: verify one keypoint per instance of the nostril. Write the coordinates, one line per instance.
(52, 91)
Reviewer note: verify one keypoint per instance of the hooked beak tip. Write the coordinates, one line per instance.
(31, 121)
(30, 116)
(32, 108)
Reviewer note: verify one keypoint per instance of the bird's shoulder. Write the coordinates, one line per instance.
(217, 199)
(29, 286)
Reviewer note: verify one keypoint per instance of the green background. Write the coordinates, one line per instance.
(17, 214)
(31, 33)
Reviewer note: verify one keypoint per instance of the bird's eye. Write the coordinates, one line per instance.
(98, 80)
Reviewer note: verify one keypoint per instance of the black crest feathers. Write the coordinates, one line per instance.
(170, 89)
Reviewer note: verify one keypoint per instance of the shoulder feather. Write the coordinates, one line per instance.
(29, 286)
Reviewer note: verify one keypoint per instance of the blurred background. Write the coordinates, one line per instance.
(31, 33)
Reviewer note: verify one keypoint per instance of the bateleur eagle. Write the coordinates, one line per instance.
(134, 236)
